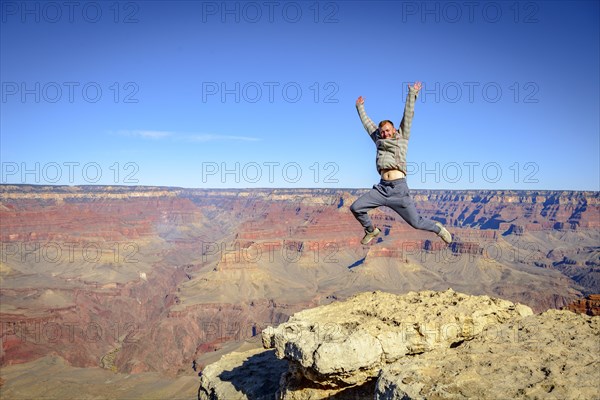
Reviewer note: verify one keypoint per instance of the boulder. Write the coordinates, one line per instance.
(347, 343)
(552, 355)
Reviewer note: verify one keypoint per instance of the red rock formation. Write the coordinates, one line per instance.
(165, 293)
(589, 306)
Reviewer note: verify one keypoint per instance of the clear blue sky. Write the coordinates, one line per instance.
(261, 94)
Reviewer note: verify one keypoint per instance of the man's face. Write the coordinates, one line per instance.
(387, 131)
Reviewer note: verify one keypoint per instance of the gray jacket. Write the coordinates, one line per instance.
(391, 153)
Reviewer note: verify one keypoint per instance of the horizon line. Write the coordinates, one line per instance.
(280, 188)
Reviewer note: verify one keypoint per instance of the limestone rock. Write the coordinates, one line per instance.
(347, 343)
(253, 374)
(425, 345)
(295, 386)
(552, 355)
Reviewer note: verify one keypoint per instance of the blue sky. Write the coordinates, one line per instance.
(261, 94)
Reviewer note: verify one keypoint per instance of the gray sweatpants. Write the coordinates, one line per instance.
(395, 195)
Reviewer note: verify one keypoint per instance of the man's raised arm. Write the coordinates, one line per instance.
(409, 109)
(369, 125)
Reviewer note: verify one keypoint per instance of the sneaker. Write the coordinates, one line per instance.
(370, 236)
(444, 234)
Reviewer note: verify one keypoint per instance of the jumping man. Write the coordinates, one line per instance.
(392, 191)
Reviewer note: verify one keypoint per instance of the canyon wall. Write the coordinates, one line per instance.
(155, 279)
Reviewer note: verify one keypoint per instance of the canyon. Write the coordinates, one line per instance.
(156, 283)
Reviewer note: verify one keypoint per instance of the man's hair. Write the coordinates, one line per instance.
(385, 121)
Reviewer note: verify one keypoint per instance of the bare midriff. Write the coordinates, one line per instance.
(392, 174)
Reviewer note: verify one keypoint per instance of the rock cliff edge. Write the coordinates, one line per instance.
(419, 345)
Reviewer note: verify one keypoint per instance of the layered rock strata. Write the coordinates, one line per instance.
(155, 278)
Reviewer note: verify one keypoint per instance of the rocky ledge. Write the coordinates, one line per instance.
(416, 346)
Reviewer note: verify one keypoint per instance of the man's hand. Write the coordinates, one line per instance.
(360, 101)
(417, 86)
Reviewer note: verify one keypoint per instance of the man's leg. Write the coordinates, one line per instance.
(403, 204)
(368, 201)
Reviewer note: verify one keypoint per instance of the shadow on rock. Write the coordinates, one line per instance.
(256, 378)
